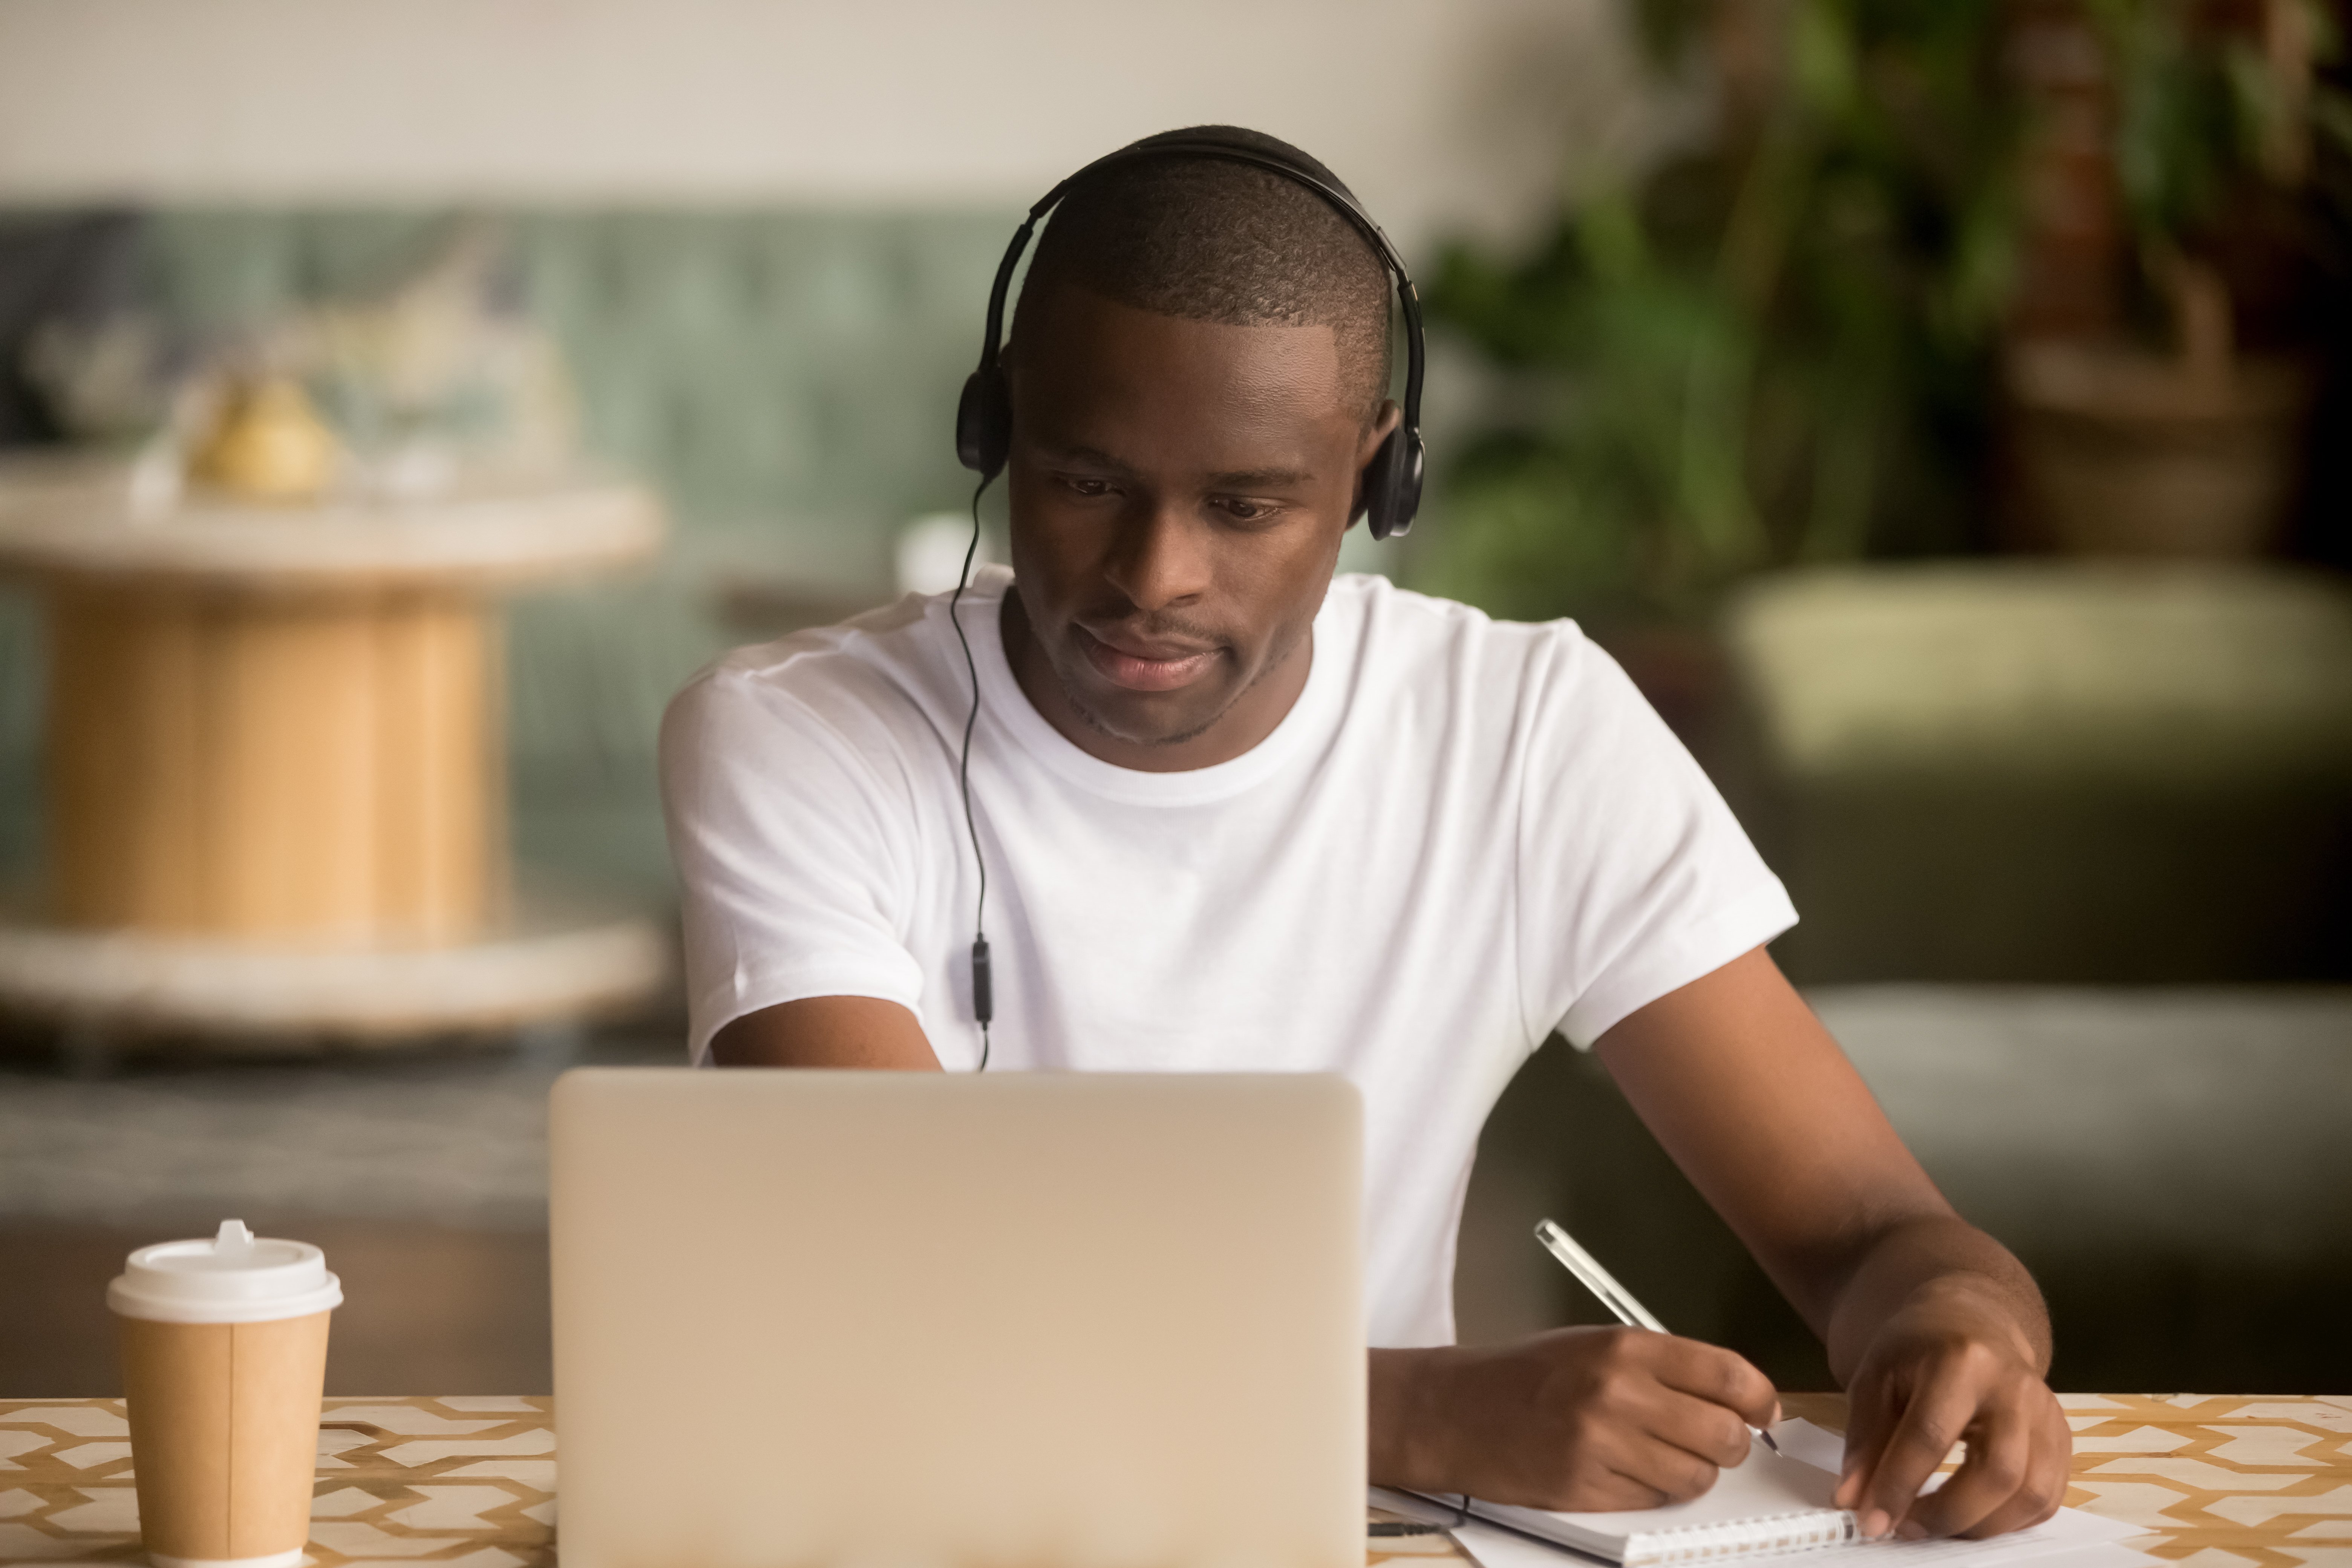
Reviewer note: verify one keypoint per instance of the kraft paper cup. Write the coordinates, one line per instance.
(224, 1362)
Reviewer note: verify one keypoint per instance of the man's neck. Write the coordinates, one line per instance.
(1253, 715)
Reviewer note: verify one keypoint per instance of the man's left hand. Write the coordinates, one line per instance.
(1937, 1331)
(1951, 1367)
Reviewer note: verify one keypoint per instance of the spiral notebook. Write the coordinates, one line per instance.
(1769, 1503)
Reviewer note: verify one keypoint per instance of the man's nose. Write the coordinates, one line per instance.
(1162, 558)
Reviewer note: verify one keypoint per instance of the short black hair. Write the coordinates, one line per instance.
(1210, 239)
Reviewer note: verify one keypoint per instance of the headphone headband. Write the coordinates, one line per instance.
(1393, 479)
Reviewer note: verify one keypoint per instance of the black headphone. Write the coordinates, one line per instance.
(1392, 482)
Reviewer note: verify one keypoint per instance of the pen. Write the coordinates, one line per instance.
(1611, 1295)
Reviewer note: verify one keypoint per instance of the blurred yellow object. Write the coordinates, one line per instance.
(268, 444)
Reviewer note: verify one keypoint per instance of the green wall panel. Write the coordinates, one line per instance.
(786, 377)
(791, 375)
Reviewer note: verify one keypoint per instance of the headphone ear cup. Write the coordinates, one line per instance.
(1408, 476)
(1392, 484)
(984, 422)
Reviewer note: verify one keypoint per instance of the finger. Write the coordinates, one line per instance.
(2043, 1489)
(1671, 1473)
(1612, 1491)
(1999, 1461)
(1697, 1427)
(1930, 1423)
(1719, 1376)
(1869, 1419)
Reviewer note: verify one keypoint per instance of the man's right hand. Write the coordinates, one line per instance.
(1577, 1419)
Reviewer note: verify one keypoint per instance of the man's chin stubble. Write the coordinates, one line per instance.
(1093, 721)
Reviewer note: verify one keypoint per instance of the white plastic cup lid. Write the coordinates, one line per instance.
(232, 1278)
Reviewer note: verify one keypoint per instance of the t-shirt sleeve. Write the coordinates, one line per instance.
(789, 861)
(1634, 877)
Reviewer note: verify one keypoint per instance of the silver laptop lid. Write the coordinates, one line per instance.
(817, 1318)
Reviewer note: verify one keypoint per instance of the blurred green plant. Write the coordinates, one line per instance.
(2198, 108)
(2204, 114)
(1777, 345)
(1769, 349)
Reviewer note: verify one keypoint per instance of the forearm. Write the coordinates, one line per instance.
(1755, 1102)
(1404, 1449)
(827, 1032)
(1931, 1263)
(1936, 1332)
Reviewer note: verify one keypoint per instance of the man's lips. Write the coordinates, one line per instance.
(1142, 665)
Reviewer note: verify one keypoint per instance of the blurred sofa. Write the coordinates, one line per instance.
(2051, 772)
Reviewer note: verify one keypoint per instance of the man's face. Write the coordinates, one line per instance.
(1179, 491)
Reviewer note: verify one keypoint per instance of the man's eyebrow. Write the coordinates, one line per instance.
(1239, 480)
(1091, 456)
(1261, 479)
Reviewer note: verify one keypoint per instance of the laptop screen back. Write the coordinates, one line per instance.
(808, 1318)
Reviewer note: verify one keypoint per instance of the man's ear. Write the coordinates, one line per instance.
(1382, 425)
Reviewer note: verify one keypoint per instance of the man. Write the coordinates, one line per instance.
(1238, 815)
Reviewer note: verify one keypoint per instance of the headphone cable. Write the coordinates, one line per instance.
(984, 991)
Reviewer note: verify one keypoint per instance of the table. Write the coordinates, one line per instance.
(275, 758)
(2223, 1482)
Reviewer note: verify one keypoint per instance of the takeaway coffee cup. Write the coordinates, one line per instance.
(224, 1360)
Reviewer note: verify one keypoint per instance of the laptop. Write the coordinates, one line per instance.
(903, 1320)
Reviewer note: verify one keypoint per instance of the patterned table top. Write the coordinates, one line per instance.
(2222, 1482)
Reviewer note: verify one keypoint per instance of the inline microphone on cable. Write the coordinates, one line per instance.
(984, 992)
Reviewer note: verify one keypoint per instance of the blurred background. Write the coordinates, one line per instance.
(1942, 407)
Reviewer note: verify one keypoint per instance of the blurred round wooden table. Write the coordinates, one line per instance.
(275, 758)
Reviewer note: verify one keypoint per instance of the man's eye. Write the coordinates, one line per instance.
(1242, 511)
(1085, 487)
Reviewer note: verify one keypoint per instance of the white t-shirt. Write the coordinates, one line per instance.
(1464, 835)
